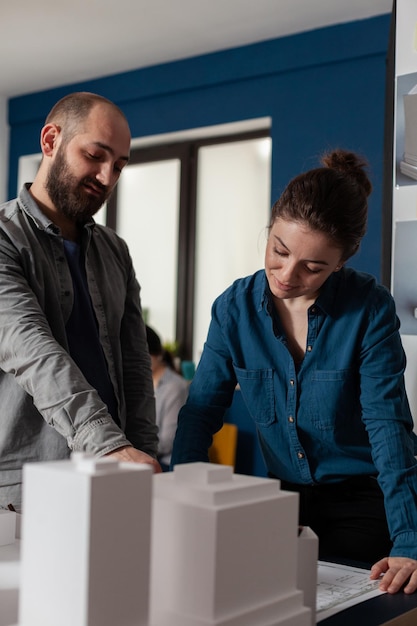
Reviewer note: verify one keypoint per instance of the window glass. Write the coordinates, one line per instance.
(147, 219)
(233, 207)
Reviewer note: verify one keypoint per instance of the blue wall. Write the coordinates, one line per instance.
(322, 89)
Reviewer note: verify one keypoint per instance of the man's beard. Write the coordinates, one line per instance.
(68, 194)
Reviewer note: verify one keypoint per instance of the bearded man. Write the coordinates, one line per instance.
(74, 364)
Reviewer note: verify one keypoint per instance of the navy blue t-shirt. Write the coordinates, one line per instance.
(82, 332)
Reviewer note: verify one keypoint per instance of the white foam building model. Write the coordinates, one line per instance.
(224, 550)
(85, 543)
(220, 549)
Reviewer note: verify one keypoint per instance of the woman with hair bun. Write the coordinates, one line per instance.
(315, 348)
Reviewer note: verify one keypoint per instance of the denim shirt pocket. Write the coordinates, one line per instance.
(257, 388)
(333, 398)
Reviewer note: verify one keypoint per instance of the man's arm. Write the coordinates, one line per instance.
(40, 366)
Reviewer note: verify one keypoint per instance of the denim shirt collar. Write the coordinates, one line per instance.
(328, 297)
(264, 296)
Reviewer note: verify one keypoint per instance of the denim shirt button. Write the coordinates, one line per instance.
(292, 382)
(291, 419)
(300, 455)
(309, 348)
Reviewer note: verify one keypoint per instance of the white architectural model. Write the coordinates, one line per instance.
(224, 550)
(85, 543)
(221, 549)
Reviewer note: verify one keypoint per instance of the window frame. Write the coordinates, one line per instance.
(187, 153)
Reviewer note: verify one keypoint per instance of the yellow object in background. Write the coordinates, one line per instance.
(223, 448)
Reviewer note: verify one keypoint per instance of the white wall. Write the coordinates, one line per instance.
(4, 149)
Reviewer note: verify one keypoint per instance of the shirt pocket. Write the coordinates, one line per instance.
(333, 398)
(257, 388)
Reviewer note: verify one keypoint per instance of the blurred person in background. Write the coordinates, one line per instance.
(171, 392)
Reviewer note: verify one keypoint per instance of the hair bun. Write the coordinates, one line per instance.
(349, 164)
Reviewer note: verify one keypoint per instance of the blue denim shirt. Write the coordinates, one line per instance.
(48, 408)
(342, 412)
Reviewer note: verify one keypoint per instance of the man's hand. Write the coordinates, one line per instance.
(131, 454)
(398, 572)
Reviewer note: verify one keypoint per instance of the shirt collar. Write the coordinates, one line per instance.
(329, 294)
(30, 207)
(265, 296)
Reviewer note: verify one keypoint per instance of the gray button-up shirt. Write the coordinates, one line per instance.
(47, 406)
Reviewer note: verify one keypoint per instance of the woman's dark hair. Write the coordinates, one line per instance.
(332, 199)
(156, 348)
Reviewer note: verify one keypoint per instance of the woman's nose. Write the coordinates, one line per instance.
(288, 272)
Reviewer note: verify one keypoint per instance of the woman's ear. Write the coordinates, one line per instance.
(50, 136)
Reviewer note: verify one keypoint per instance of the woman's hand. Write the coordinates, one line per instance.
(398, 573)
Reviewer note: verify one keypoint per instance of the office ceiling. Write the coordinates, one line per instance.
(46, 43)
